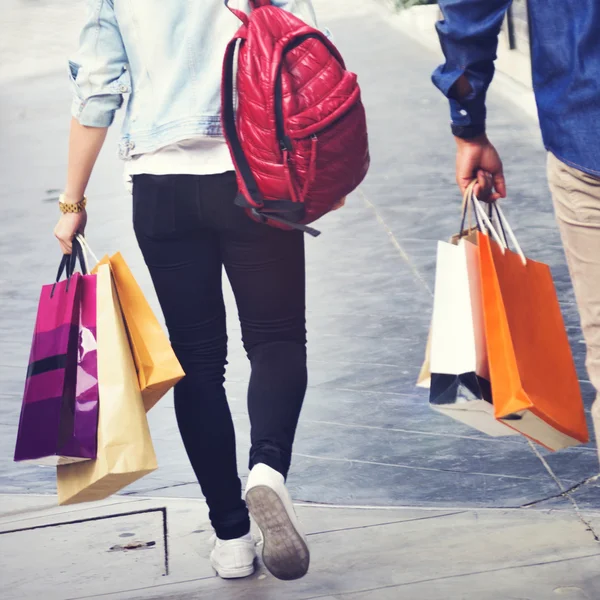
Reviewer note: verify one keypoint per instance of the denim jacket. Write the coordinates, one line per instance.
(565, 53)
(166, 56)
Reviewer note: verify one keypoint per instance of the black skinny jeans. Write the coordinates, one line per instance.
(188, 229)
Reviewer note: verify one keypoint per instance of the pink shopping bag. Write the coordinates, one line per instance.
(59, 415)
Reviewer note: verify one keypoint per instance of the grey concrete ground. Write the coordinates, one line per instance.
(367, 436)
(357, 554)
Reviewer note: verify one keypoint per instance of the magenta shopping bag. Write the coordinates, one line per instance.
(59, 415)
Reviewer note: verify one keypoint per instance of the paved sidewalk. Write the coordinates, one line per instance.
(377, 554)
(367, 436)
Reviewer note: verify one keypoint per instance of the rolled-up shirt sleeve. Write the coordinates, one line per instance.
(468, 35)
(99, 72)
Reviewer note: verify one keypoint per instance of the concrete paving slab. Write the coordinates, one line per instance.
(355, 552)
(571, 579)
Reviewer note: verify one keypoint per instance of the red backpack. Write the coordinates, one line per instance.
(298, 137)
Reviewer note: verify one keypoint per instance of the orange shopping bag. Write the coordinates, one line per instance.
(157, 366)
(534, 382)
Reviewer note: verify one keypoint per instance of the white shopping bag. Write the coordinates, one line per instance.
(460, 380)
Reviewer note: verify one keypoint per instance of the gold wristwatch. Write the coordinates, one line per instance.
(70, 207)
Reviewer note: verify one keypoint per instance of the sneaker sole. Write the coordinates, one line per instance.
(285, 553)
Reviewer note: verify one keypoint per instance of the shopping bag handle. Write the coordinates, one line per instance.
(85, 250)
(68, 263)
(495, 207)
(503, 221)
(467, 203)
(66, 258)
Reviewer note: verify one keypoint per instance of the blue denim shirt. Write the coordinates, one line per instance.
(166, 56)
(565, 48)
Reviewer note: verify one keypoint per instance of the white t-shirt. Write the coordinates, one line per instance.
(196, 156)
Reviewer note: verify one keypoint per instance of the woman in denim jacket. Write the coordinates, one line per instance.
(166, 58)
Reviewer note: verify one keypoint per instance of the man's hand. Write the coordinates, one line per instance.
(477, 157)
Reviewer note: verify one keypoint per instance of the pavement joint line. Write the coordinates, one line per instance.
(455, 576)
(122, 499)
(394, 240)
(588, 525)
(146, 588)
(340, 389)
(566, 493)
(457, 509)
(356, 362)
(34, 513)
(563, 494)
(373, 525)
(372, 337)
(397, 466)
(140, 493)
(163, 487)
(351, 313)
(417, 432)
(546, 465)
(162, 510)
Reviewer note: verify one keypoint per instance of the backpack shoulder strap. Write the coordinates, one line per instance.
(250, 187)
(241, 15)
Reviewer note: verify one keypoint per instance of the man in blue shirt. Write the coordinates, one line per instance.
(565, 51)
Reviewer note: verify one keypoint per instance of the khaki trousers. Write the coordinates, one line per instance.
(576, 197)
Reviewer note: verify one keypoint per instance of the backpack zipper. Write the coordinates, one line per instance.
(285, 143)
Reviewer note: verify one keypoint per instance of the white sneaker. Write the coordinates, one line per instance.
(285, 552)
(232, 559)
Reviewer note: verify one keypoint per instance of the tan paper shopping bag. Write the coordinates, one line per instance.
(125, 450)
(470, 234)
(424, 379)
(460, 380)
(156, 364)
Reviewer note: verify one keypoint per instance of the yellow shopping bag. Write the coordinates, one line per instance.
(157, 366)
(125, 450)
